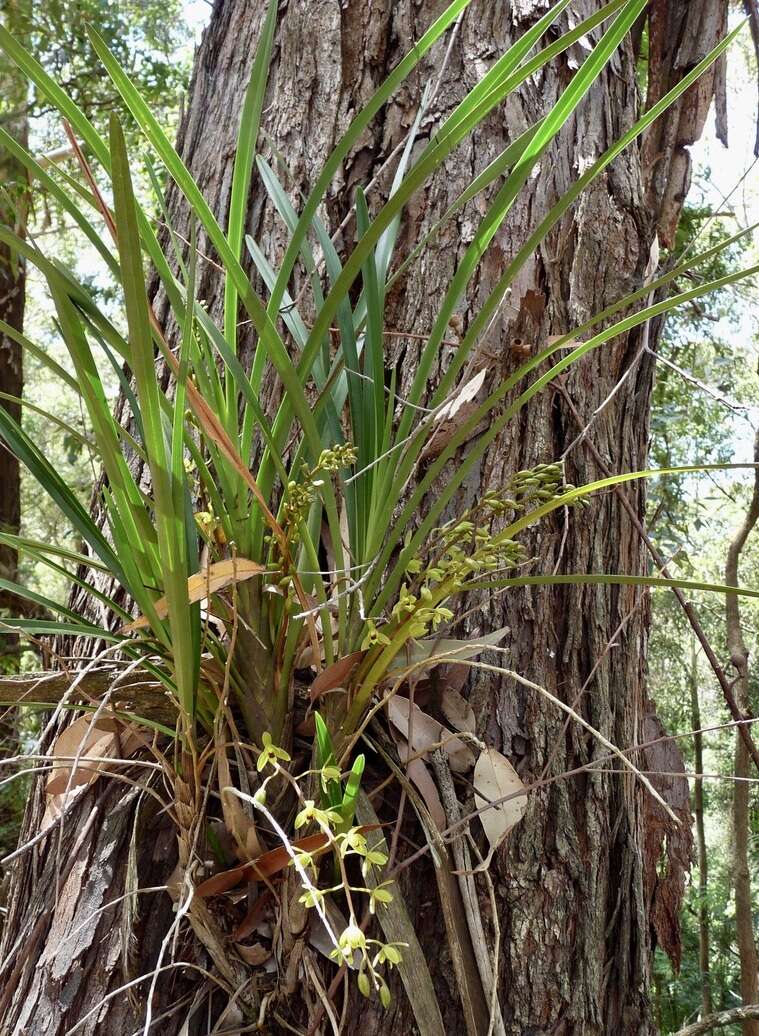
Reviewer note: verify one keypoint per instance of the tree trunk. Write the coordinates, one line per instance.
(698, 813)
(744, 905)
(68, 946)
(580, 901)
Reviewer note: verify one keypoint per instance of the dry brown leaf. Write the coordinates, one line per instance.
(305, 658)
(443, 651)
(427, 733)
(255, 954)
(306, 727)
(494, 778)
(88, 741)
(421, 777)
(204, 583)
(222, 882)
(467, 393)
(451, 676)
(452, 415)
(253, 916)
(241, 826)
(335, 675)
(571, 344)
(264, 867)
(425, 785)
(457, 710)
(56, 805)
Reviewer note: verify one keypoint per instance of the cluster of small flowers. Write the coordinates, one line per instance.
(539, 483)
(300, 495)
(469, 550)
(352, 940)
(336, 458)
(374, 954)
(467, 547)
(423, 614)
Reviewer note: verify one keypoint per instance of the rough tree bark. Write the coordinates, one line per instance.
(577, 884)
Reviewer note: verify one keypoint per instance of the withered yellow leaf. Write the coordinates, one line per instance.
(204, 583)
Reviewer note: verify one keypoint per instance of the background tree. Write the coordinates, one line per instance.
(146, 37)
(736, 643)
(706, 384)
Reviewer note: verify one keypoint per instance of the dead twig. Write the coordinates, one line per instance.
(463, 863)
(720, 1020)
(142, 694)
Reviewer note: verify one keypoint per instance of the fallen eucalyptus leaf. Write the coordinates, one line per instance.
(422, 779)
(335, 675)
(264, 867)
(88, 741)
(465, 394)
(452, 415)
(443, 651)
(495, 778)
(458, 711)
(425, 733)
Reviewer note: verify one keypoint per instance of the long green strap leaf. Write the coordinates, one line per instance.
(42, 627)
(39, 467)
(580, 492)
(170, 522)
(482, 318)
(138, 550)
(602, 579)
(54, 189)
(39, 599)
(250, 121)
(562, 206)
(479, 102)
(39, 354)
(264, 325)
(568, 101)
(23, 544)
(69, 429)
(352, 134)
(390, 582)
